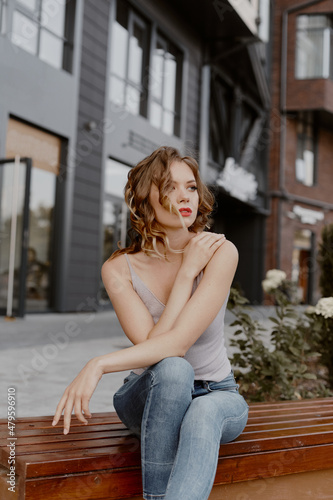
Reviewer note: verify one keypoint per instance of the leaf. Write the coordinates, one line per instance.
(238, 332)
(310, 376)
(274, 320)
(235, 323)
(295, 351)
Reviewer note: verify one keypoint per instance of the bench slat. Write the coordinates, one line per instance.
(289, 423)
(68, 444)
(46, 463)
(104, 485)
(274, 463)
(96, 458)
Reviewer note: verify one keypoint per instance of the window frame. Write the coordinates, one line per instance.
(153, 30)
(3, 15)
(165, 42)
(67, 39)
(133, 17)
(327, 33)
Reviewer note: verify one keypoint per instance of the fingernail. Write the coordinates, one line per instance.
(54, 422)
(65, 431)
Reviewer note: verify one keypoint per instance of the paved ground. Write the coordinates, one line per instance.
(42, 353)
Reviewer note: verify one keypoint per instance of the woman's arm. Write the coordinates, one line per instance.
(195, 317)
(138, 325)
(197, 254)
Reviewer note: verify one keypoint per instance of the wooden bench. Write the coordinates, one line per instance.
(285, 452)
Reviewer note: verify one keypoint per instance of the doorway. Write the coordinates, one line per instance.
(302, 264)
(27, 199)
(32, 254)
(15, 178)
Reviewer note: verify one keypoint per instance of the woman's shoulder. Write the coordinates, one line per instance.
(229, 248)
(226, 254)
(116, 275)
(115, 265)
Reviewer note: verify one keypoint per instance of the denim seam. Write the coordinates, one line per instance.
(147, 496)
(159, 463)
(144, 431)
(233, 419)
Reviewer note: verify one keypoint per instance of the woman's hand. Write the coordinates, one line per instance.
(199, 250)
(78, 394)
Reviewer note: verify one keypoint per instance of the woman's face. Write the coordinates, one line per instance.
(183, 195)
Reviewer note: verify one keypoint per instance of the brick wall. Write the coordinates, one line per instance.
(301, 95)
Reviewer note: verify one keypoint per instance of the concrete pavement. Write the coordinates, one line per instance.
(42, 353)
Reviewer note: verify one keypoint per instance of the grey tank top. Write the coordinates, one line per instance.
(208, 355)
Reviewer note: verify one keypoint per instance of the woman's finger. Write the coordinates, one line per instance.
(211, 238)
(78, 410)
(68, 414)
(59, 409)
(219, 241)
(85, 407)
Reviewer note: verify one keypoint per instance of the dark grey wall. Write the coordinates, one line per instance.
(84, 264)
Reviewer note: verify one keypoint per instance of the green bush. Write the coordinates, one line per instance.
(321, 318)
(289, 368)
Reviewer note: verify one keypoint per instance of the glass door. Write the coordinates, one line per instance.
(41, 247)
(15, 175)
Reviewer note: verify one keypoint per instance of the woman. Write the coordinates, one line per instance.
(169, 289)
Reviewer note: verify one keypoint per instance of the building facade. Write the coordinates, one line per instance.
(301, 174)
(90, 88)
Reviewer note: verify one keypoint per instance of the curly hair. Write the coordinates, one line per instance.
(145, 230)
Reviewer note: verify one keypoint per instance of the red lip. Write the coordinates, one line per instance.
(185, 211)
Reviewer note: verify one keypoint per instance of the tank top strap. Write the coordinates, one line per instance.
(129, 265)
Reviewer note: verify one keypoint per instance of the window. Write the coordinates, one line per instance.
(45, 28)
(314, 47)
(115, 209)
(115, 212)
(165, 83)
(145, 83)
(305, 160)
(3, 13)
(129, 54)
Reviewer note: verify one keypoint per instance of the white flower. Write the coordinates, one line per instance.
(274, 278)
(276, 274)
(324, 307)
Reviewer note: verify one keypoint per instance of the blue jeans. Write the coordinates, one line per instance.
(181, 423)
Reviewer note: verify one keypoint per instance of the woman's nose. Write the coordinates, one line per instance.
(182, 195)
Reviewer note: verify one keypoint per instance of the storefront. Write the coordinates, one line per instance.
(28, 192)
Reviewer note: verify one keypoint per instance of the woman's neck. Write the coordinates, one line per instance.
(177, 239)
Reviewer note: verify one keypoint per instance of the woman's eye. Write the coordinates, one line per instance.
(193, 188)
